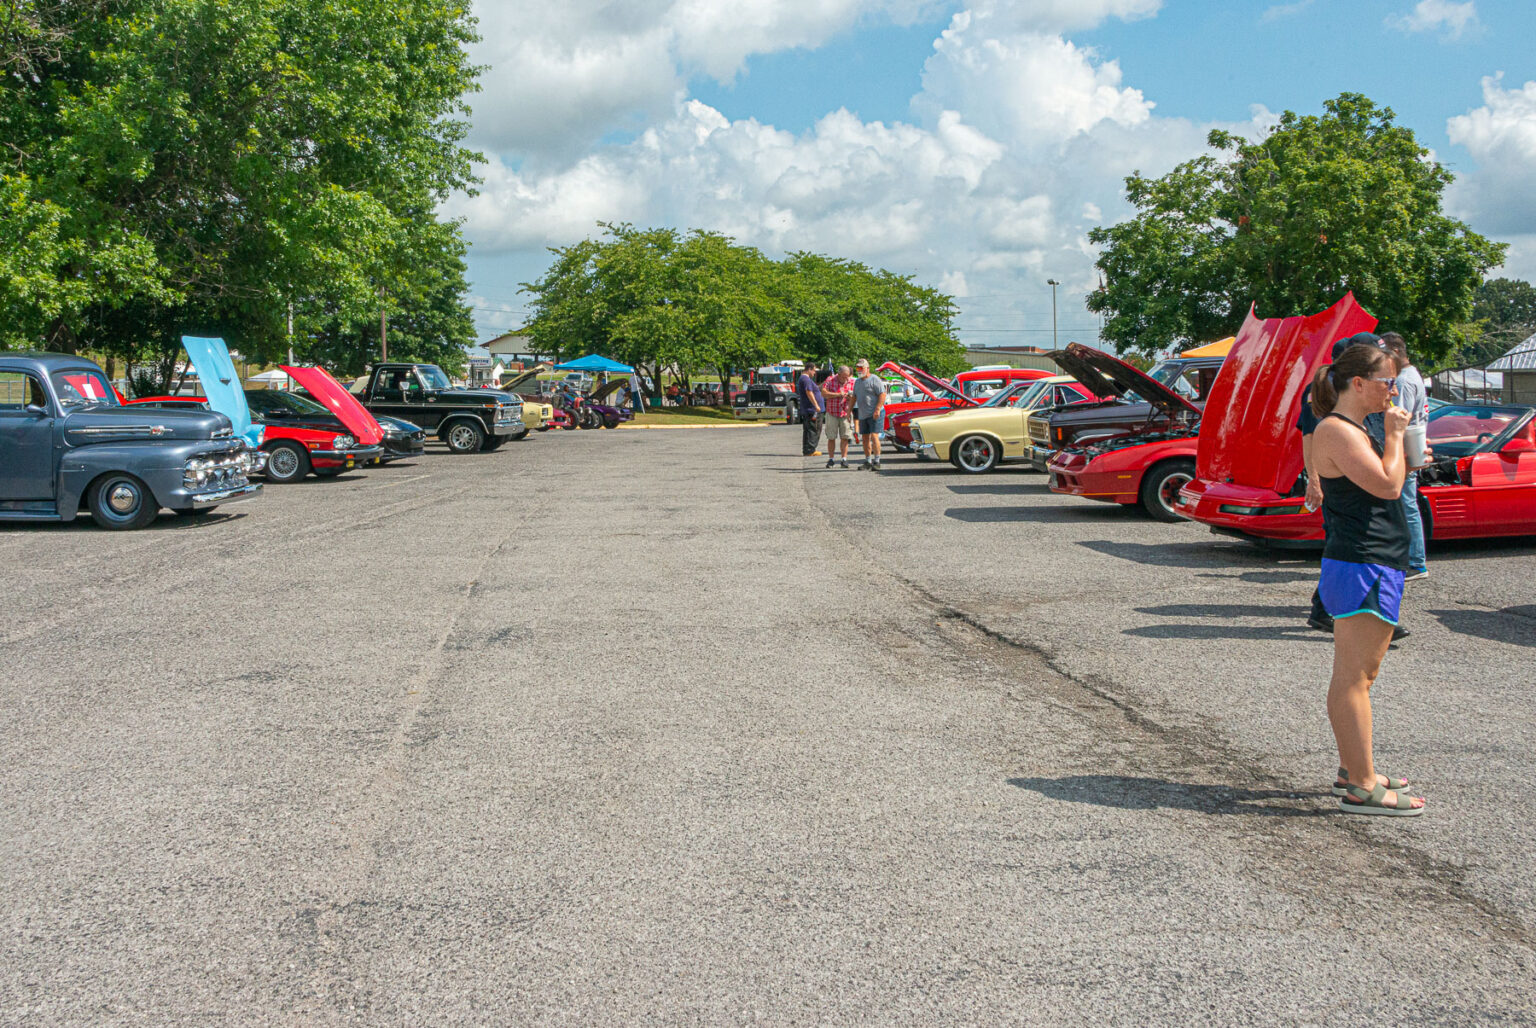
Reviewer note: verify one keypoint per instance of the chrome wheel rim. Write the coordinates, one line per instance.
(1168, 494)
(976, 454)
(283, 463)
(123, 499)
(462, 437)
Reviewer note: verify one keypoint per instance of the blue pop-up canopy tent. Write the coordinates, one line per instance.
(592, 362)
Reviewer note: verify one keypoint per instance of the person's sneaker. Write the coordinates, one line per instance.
(1399, 632)
(1414, 576)
(815, 453)
(875, 466)
(1321, 624)
(845, 465)
(830, 462)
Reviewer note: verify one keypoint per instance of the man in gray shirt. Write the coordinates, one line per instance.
(868, 406)
(1413, 398)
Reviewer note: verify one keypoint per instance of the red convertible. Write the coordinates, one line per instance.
(1249, 481)
(1147, 467)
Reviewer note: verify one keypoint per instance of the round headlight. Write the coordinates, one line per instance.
(343, 442)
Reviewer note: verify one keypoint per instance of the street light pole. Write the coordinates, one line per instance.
(1055, 342)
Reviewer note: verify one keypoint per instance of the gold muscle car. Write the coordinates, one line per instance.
(978, 439)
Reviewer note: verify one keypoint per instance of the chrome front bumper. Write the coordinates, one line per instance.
(1039, 458)
(926, 450)
(222, 496)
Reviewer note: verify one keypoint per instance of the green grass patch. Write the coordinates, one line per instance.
(684, 416)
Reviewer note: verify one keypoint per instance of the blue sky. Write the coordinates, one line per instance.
(969, 144)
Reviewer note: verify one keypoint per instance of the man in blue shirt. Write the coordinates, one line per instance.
(808, 395)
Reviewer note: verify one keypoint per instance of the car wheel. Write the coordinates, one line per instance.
(975, 454)
(119, 501)
(286, 462)
(1160, 488)
(611, 421)
(464, 437)
(589, 419)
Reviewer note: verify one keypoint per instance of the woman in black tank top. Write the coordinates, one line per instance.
(1364, 559)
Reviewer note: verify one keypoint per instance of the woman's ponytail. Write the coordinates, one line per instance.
(1324, 396)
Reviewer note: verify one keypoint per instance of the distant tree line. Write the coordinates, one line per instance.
(209, 166)
(700, 302)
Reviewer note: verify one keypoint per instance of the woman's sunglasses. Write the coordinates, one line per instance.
(1390, 383)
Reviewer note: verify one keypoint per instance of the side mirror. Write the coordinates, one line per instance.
(37, 411)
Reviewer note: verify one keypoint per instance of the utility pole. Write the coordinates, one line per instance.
(383, 329)
(1055, 342)
(290, 338)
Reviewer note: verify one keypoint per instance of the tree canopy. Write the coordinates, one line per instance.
(201, 165)
(1323, 204)
(657, 297)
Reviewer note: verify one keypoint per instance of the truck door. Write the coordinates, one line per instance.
(26, 439)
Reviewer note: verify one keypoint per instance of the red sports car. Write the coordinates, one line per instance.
(1147, 468)
(293, 449)
(1249, 481)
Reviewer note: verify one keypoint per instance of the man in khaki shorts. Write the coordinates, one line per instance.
(838, 392)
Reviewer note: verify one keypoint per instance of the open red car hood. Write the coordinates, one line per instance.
(1248, 436)
(936, 388)
(334, 396)
(1105, 376)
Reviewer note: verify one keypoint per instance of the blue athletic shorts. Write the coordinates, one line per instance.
(1348, 589)
(867, 426)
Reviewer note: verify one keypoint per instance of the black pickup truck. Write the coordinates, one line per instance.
(468, 420)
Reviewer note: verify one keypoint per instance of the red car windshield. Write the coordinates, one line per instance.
(78, 387)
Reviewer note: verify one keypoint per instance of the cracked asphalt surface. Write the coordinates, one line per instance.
(676, 727)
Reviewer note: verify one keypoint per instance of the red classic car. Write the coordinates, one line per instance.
(1147, 467)
(296, 447)
(969, 389)
(1249, 480)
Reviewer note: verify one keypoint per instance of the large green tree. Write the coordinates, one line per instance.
(197, 165)
(1322, 204)
(657, 298)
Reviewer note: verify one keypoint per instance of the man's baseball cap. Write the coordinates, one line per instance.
(861, 363)
(1358, 339)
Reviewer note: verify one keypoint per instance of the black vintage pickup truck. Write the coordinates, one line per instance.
(468, 420)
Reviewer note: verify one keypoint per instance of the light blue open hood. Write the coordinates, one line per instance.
(222, 385)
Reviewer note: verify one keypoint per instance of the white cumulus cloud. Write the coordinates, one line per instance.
(1447, 16)
(1501, 137)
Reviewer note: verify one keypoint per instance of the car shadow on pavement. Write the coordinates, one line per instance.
(1221, 610)
(1063, 515)
(1201, 554)
(1267, 577)
(1129, 793)
(1516, 625)
(1005, 488)
(1251, 633)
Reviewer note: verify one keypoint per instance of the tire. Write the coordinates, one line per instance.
(1160, 488)
(589, 420)
(975, 454)
(120, 502)
(463, 436)
(611, 421)
(286, 462)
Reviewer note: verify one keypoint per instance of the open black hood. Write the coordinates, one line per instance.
(1107, 376)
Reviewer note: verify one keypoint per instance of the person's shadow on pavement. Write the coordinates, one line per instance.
(1155, 793)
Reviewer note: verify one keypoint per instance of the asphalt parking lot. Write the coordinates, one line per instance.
(675, 727)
